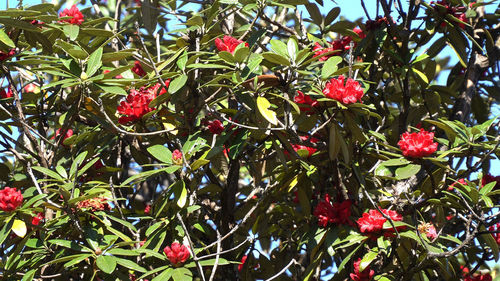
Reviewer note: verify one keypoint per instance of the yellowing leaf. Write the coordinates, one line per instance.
(19, 228)
(263, 105)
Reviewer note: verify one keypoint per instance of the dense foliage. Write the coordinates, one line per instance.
(249, 140)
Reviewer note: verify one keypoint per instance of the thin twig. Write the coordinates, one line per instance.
(191, 248)
(293, 261)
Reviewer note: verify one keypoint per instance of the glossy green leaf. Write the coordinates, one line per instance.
(106, 263)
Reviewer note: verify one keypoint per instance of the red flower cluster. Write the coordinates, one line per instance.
(6, 94)
(177, 157)
(417, 145)
(137, 103)
(475, 277)
(365, 275)
(177, 253)
(10, 199)
(37, 219)
(328, 212)
(306, 103)
(372, 223)
(72, 12)
(228, 43)
(489, 178)
(311, 150)
(4, 55)
(340, 45)
(94, 204)
(496, 235)
(428, 229)
(137, 69)
(458, 11)
(351, 92)
(215, 127)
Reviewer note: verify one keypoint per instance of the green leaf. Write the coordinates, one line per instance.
(421, 75)
(77, 259)
(130, 264)
(348, 258)
(315, 14)
(161, 153)
(94, 62)
(4, 232)
(106, 263)
(177, 84)
(76, 164)
(292, 48)
(263, 105)
(70, 245)
(182, 274)
(332, 15)
(164, 276)
(199, 163)
(48, 172)
(180, 193)
(4, 38)
(227, 57)
(368, 258)
(330, 67)
(29, 275)
(407, 171)
(275, 58)
(279, 47)
(181, 62)
(71, 31)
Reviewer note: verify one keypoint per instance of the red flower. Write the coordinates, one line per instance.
(351, 92)
(8, 94)
(177, 157)
(428, 229)
(359, 32)
(475, 277)
(215, 127)
(462, 181)
(365, 275)
(177, 253)
(136, 105)
(68, 134)
(137, 69)
(228, 44)
(243, 260)
(10, 199)
(489, 178)
(94, 204)
(372, 223)
(496, 235)
(306, 101)
(319, 50)
(310, 150)
(4, 55)
(36, 219)
(328, 212)
(417, 145)
(77, 16)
